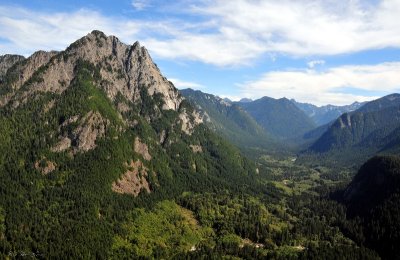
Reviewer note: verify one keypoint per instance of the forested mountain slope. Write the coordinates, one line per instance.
(371, 129)
(91, 133)
(374, 197)
(228, 119)
(279, 117)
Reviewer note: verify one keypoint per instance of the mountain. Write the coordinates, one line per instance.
(381, 103)
(91, 137)
(279, 117)
(228, 119)
(7, 61)
(371, 129)
(325, 114)
(374, 197)
(245, 100)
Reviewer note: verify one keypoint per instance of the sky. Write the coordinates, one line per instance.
(315, 51)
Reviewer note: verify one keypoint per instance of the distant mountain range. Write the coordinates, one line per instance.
(344, 134)
(371, 129)
(325, 114)
(279, 117)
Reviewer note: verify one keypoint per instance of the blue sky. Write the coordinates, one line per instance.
(315, 51)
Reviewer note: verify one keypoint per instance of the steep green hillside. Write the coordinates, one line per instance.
(356, 136)
(359, 128)
(229, 120)
(374, 197)
(280, 117)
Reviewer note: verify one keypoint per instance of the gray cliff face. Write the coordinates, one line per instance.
(123, 68)
(7, 61)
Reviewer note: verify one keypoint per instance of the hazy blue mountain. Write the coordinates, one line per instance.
(280, 117)
(325, 114)
(381, 103)
(245, 100)
(371, 129)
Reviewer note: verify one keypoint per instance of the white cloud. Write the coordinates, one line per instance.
(28, 31)
(327, 87)
(219, 50)
(222, 33)
(313, 63)
(230, 97)
(311, 27)
(240, 32)
(180, 84)
(140, 5)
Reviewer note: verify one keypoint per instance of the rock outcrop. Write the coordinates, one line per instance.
(123, 69)
(133, 181)
(45, 166)
(7, 61)
(83, 138)
(142, 149)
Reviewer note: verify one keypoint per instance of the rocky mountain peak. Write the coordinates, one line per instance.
(127, 66)
(123, 69)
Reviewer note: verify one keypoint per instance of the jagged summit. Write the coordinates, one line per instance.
(125, 73)
(123, 68)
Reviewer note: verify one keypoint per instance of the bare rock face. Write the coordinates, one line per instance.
(45, 166)
(142, 149)
(62, 145)
(196, 148)
(7, 61)
(123, 69)
(133, 181)
(93, 126)
(25, 71)
(35, 61)
(83, 138)
(190, 121)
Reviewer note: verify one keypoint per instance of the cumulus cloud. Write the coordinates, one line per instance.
(222, 33)
(241, 31)
(311, 27)
(327, 87)
(28, 31)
